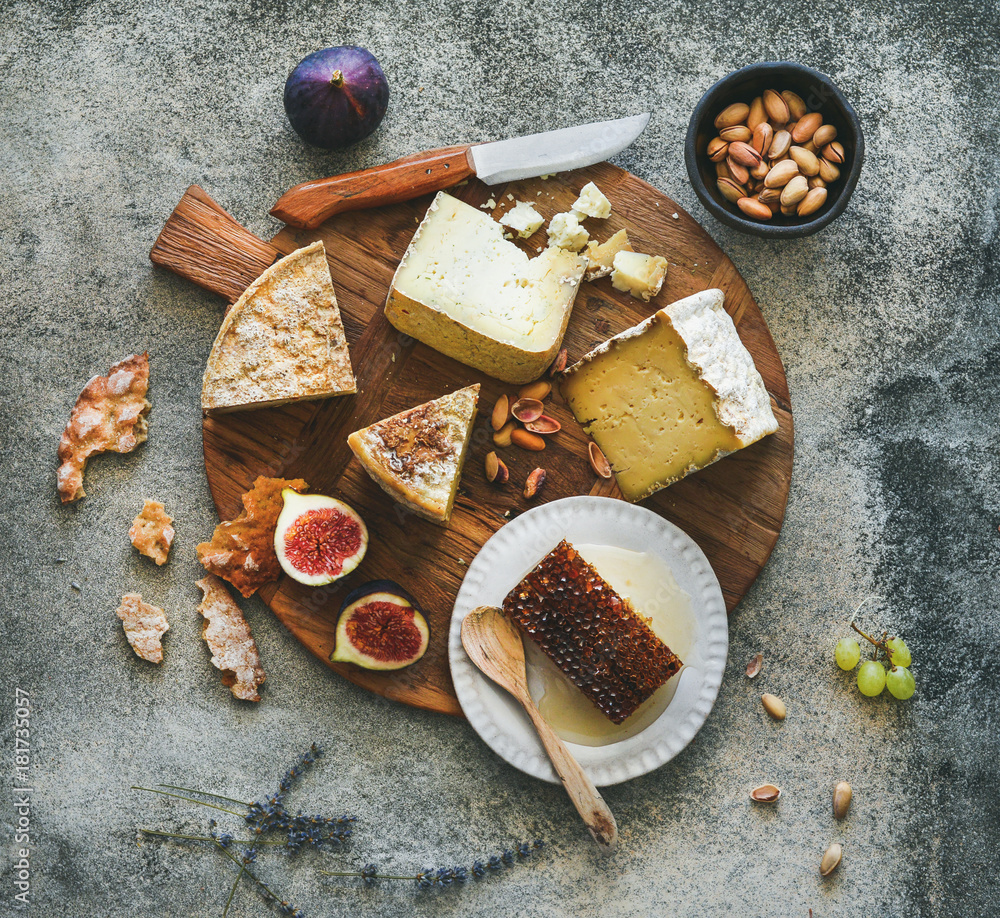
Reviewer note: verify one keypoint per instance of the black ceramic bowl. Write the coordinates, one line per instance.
(820, 94)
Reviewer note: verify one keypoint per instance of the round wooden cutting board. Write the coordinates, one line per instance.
(733, 509)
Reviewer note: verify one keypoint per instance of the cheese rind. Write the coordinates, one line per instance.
(464, 290)
(671, 395)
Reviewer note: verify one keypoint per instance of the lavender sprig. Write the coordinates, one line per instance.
(443, 877)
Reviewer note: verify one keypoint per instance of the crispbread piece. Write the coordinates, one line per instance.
(109, 416)
(228, 636)
(242, 550)
(144, 626)
(151, 532)
(416, 456)
(283, 340)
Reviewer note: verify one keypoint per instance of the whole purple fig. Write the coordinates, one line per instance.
(336, 96)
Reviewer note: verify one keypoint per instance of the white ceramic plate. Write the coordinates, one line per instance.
(517, 548)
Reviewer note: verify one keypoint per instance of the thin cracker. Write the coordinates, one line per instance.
(109, 416)
(242, 549)
(151, 532)
(228, 636)
(144, 626)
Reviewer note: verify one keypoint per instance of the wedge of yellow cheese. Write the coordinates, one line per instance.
(464, 290)
(671, 395)
(283, 340)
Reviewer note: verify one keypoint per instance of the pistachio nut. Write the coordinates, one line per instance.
(781, 174)
(812, 202)
(752, 207)
(807, 162)
(732, 114)
(775, 106)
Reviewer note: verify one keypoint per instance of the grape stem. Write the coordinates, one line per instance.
(878, 643)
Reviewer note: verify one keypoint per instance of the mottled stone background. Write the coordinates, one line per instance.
(887, 324)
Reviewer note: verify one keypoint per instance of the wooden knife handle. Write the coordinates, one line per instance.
(307, 205)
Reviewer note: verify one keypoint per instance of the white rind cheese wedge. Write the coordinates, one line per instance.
(283, 340)
(671, 395)
(416, 456)
(464, 290)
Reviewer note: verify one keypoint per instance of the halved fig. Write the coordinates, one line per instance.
(318, 539)
(380, 627)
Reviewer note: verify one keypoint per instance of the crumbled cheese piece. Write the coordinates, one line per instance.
(592, 202)
(523, 219)
(601, 257)
(510, 197)
(489, 205)
(640, 275)
(565, 232)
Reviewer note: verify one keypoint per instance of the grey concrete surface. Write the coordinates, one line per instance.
(887, 324)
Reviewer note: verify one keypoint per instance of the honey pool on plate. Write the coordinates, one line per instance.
(647, 581)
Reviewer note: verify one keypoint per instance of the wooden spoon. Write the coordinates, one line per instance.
(493, 643)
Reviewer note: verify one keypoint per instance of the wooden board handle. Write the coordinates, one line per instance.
(203, 243)
(308, 205)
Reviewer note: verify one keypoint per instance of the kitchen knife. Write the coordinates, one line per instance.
(309, 204)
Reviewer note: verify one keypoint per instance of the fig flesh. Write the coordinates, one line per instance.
(380, 627)
(336, 96)
(318, 539)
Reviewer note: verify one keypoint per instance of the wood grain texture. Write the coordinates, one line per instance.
(230, 258)
(733, 509)
(308, 205)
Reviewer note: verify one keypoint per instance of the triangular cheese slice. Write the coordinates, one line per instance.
(416, 456)
(283, 340)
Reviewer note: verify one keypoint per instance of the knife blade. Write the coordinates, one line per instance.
(307, 205)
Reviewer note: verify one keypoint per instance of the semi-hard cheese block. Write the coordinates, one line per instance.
(464, 290)
(283, 340)
(671, 395)
(416, 456)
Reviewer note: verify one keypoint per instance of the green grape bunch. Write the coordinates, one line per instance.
(888, 667)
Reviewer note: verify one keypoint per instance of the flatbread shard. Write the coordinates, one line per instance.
(416, 456)
(152, 533)
(144, 626)
(242, 549)
(109, 416)
(283, 340)
(228, 636)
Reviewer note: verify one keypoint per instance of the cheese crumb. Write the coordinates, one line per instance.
(565, 232)
(640, 275)
(601, 257)
(592, 202)
(523, 219)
